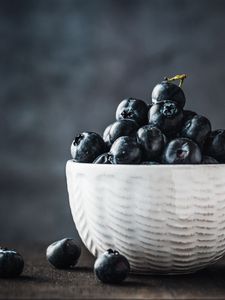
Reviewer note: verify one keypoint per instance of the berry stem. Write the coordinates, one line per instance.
(177, 77)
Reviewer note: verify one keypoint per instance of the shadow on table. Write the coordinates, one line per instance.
(26, 278)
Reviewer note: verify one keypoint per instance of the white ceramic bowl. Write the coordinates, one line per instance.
(163, 218)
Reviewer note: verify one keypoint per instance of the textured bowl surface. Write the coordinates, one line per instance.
(163, 218)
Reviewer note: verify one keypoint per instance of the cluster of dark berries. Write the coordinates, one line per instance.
(110, 267)
(162, 132)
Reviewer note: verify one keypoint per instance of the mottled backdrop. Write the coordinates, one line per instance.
(65, 65)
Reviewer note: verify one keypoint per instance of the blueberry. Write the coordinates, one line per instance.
(11, 263)
(167, 116)
(166, 139)
(215, 145)
(182, 151)
(106, 136)
(111, 267)
(133, 109)
(106, 131)
(87, 146)
(167, 90)
(149, 106)
(188, 114)
(126, 150)
(120, 128)
(197, 129)
(103, 159)
(63, 254)
(150, 163)
(209, 160)
(151, 140)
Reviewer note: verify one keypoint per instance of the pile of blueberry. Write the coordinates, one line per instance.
(158, 133)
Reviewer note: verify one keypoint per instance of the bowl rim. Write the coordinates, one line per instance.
(139, 166)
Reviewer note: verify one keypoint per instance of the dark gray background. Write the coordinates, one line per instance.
(64, 67)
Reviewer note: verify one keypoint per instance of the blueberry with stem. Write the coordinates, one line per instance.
(167, 90)
(111, 267)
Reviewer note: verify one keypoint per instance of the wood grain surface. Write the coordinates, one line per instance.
(40, 281)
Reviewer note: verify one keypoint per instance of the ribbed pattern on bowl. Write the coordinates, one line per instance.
(164, 219)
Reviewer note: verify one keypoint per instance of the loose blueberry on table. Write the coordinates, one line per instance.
(160, 132)
(11, 263)
(63, 254)
(111, 267)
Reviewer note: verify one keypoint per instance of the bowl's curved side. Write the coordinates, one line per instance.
(165, 220)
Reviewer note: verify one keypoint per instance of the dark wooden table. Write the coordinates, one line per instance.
(40, 281)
